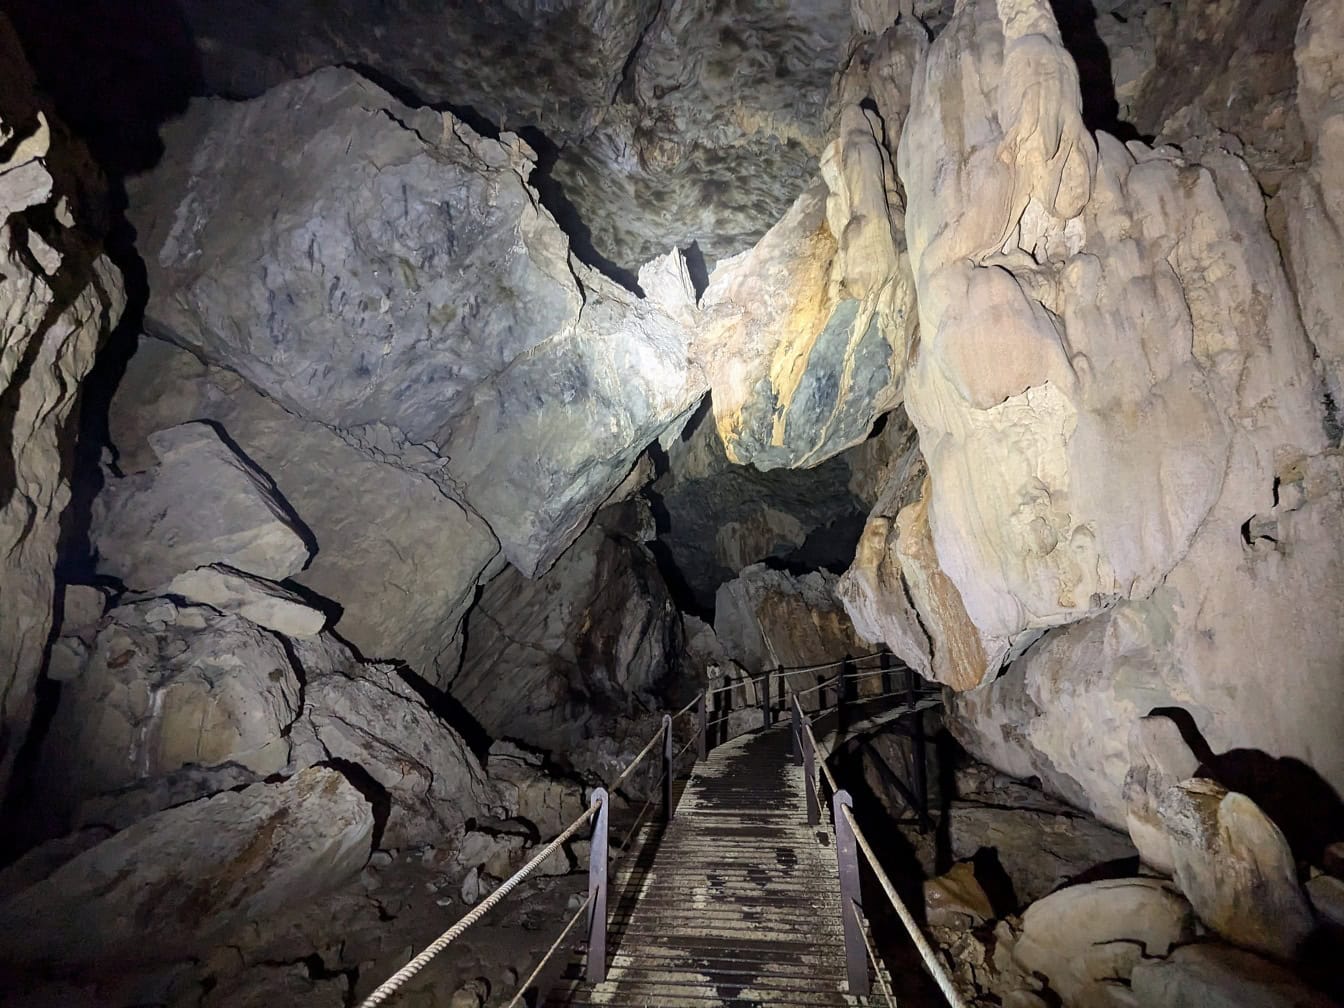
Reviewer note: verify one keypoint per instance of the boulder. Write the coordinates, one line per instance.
(1218, 976)
(769, 619)
(1159, 759)
(59, 296)
(167, 688)
(367, 716)
(175, 883)
(82, 609)
(1085, 934)
(1326, 894)
(956, 899)
(1235, 867)
(583, 647)
(401, 556)
(347, 287)
(203, 503)
(254, 599)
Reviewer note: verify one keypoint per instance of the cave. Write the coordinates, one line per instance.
(754, 503)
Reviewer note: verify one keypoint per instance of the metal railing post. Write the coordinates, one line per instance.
(765, 700)
(667, 768)
(851, 899)
(920, 757)
(702, 720)
(597, 893)
(796, 750)
(810, 773)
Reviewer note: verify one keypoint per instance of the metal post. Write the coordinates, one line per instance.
(851, 898)
(810, 773)
(667, 768)
(765, 700)
(842, 695)
(702, 716)
(921, 770)
(597, 893)
(885, 664)
(797, 750)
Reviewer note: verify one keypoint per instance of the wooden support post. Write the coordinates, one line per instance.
(810, 773)
(765, 699)
(702, 719)
(667, 768)
(851, 898)
(597, 893)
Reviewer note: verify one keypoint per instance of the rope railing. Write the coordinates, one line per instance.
(555, 947)
(812, 754)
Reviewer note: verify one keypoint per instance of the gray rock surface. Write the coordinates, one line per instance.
(375, 228)
(254, 599)
(1235, 867)
(1085, 934)
(769, 618)
(582, 648)
(366, 715)
(166, 688)
(203, 503)
(170, 884)
(1218, 976)
(399, 555)
(58, 296)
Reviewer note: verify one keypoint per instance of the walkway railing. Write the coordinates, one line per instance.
(806, 750)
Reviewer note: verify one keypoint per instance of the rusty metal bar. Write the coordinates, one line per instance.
(667, 768)
(851, 897)
(702, 724)
(810, 773)
(597, 893)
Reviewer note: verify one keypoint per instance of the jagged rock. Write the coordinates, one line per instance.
(82, 609)
(956, 899)
(531, 793)
(1312, 198)
(539, 389)
(185, 877)
(400, 556)
(261, 986)
(582, 648)
(1159, 759)
(367, 716)
(39, 862)
(254, 599)
(769, 618)
(1216, 976)
(1097, 931)
(166, 688)
(203, 503)
(1234, 866)
(57, 307)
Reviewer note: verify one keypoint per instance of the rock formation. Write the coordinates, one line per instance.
(59, 296)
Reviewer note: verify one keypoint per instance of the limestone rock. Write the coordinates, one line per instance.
(956, 899)
(539, 389)
(203, 503)
(400, 555)
(56, 312)
(532, 793)
(1096, 931)
(82, 609)
(1235, 867)
(179, 880)
(166, 688)
(582, 648)
(254, 599)
(1312, 199)
(769, 618)
(1326, 894)
(1159, 759)
(1217, 976)
(366, 715)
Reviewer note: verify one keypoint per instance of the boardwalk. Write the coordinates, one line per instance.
(737, 904)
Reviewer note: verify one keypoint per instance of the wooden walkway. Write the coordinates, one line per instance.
(737, 903)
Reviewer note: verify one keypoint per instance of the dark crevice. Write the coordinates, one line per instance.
(1077, 21)
(374, 793)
